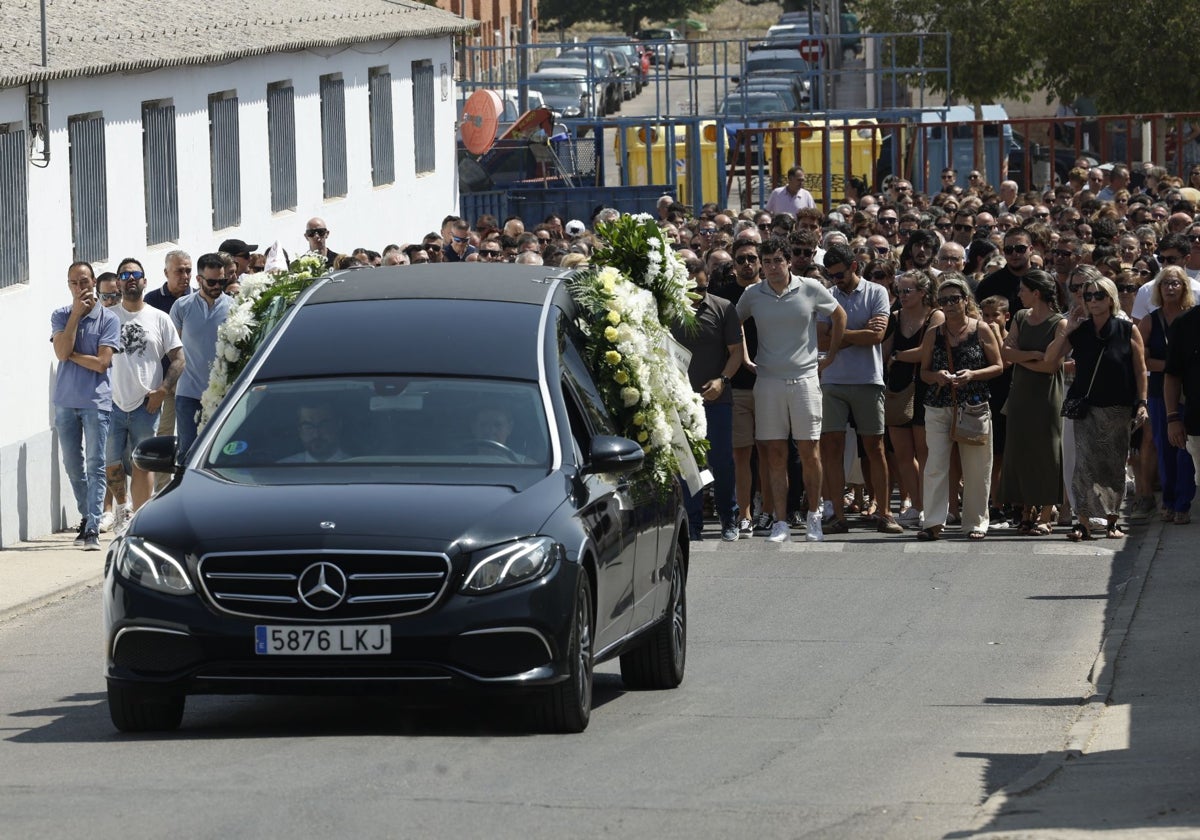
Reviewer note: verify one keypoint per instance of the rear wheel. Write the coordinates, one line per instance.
(660, 660)
(567, 707)
(142, 710)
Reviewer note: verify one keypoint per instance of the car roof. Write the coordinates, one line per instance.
(507, 283)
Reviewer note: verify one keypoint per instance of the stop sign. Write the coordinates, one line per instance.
(811, 50)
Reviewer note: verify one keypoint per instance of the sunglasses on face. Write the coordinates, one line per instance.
(130, 275)
(949, 301)
(1127, 288)
(983, 229)
(215, 281)
(1058, 252)
(487, 254)
(903, 291)
(884, 220)
(316, 232)
(803, 252)
(1169, 259)
(110, 295)
(707, 231)
(836, 275)
(1015, 249)
(964, 228)
(944, 226)
(1094, 296)
(745, 258)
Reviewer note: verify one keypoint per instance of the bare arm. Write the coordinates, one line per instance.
(868, 337)
(837, 330)
(100, 363)
(1045, 364)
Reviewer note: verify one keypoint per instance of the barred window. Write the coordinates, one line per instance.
(14, 205)
(383, 154)
(281, 145)
(333, 135)
(161, 174)
(225, 157)
(89, 186)
(423, 116)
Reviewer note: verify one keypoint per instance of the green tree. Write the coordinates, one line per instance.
(624, 15)
(992, 51)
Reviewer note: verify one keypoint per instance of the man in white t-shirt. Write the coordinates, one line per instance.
(139, 385)
(1173, 249)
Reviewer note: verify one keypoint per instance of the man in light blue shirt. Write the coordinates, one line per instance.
(852, 386)
(197, 317)
(85, 335)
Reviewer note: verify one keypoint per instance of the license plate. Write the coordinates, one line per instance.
(306, 640)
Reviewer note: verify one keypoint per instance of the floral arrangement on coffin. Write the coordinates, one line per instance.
(628, 304)
(262, 301)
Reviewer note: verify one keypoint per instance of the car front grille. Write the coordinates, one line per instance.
(326, 585)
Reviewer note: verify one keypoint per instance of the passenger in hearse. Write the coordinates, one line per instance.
(320, 430)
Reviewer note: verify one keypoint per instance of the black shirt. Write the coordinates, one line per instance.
(1183, 360)
(744, 379)
(1112, 349)
(1003, 283)
(717, 327)
(162, 299)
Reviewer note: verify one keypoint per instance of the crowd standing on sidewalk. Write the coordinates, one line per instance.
(974, 357)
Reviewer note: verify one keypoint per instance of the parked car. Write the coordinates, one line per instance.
(798, 89)
(631, 51)
(599, 68)
(402, 510)
(744, 108)
(667, 47)
(785, 61)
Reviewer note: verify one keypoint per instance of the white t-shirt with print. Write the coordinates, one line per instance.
(146, 336)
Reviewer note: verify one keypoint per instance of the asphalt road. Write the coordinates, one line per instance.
(864, 687)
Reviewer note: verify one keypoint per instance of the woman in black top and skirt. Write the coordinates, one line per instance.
(1110, 374)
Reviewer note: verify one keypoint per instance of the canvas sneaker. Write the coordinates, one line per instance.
(730, 533)
(910, 517)
(780, 532)
(815, 533)
(81, 532)
(745, 528)
(764, 522)
(91, 541)
(121, 516)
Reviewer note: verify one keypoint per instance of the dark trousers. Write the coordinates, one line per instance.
(720, 461)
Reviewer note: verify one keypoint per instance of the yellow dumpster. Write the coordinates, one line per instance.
(782, 153)
(646, 154)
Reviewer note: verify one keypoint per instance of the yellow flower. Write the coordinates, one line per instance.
(643, 437)
(621, 377)
(614, 318)
(612, 357)
(639, 419)
(611, 334)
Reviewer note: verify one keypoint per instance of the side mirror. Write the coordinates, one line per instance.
(157, 454)
(614, 455)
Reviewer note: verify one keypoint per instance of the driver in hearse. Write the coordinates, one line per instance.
(320, 432)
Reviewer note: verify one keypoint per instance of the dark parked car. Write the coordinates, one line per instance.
(414, 484)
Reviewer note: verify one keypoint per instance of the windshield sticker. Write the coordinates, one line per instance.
(235, 447)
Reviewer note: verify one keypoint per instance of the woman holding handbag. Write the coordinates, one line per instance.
(904, 396)
(1107, 398)
(957, 360)
(1032, 475)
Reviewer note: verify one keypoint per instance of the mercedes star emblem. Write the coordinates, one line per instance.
(328, 525)
(322, 586)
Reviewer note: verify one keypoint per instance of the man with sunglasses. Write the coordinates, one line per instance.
(1173, 249)
(197, 317)
(316, 234)
(459, 247)
(140, 388)
(84, 335)
(964, 228)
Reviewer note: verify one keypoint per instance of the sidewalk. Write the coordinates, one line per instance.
(46, 569)
(1132, 768)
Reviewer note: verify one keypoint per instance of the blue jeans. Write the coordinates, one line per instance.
(187, 413)
(1175, 468)
(126, 429)
(720, 461)
(82, 435)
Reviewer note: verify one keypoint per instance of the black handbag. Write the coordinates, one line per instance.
(1076, 408)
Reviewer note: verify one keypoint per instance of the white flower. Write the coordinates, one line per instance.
(630, 396)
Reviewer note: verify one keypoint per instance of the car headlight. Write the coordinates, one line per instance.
(148, 565)
(572, 111)
(500, 567)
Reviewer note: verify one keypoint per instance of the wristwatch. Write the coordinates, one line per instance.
(725, 381)
(1140, 404)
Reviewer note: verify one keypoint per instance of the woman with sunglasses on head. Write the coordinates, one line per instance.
(1110, 376)
(1032, 477)
(902, 356)
(957, 360)
(1172, 297)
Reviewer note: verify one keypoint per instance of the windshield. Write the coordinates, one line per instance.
(753, 103)
(351, 422)
(573, 88)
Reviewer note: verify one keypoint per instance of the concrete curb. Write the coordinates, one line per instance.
(48, 598)
(1101, 676)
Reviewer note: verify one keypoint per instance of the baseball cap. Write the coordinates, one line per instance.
(234, 247)
(574, 227)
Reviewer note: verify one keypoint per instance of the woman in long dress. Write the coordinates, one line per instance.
(1032, 474)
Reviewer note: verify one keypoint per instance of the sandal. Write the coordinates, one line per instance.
(1114, 532)
(1079, 533)
(836, 526)
(976, 535)
(1041, 529)
(933, 532)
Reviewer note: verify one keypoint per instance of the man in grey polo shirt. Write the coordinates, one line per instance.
(852, 386)
(787, 392)
(197, 317)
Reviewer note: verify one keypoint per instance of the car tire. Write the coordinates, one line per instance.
(567, 706)
(142, 710)
(659, 662)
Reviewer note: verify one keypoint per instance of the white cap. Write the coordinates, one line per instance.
(574, 227)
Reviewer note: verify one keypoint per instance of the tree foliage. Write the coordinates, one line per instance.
(625, 15)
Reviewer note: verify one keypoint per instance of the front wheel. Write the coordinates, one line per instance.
(567, 707)
(660, 660)
(143, 710)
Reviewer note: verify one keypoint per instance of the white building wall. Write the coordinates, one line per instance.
(34, 496)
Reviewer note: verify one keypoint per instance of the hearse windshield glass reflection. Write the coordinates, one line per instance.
(427, 424)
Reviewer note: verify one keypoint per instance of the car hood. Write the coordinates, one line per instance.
(205, 513)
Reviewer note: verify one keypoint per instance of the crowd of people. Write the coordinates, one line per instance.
(973, 357)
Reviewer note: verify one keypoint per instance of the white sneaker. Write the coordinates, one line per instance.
(745, 528)
(106, 522)
(815, 533)
(780, 532)
(121, 516)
